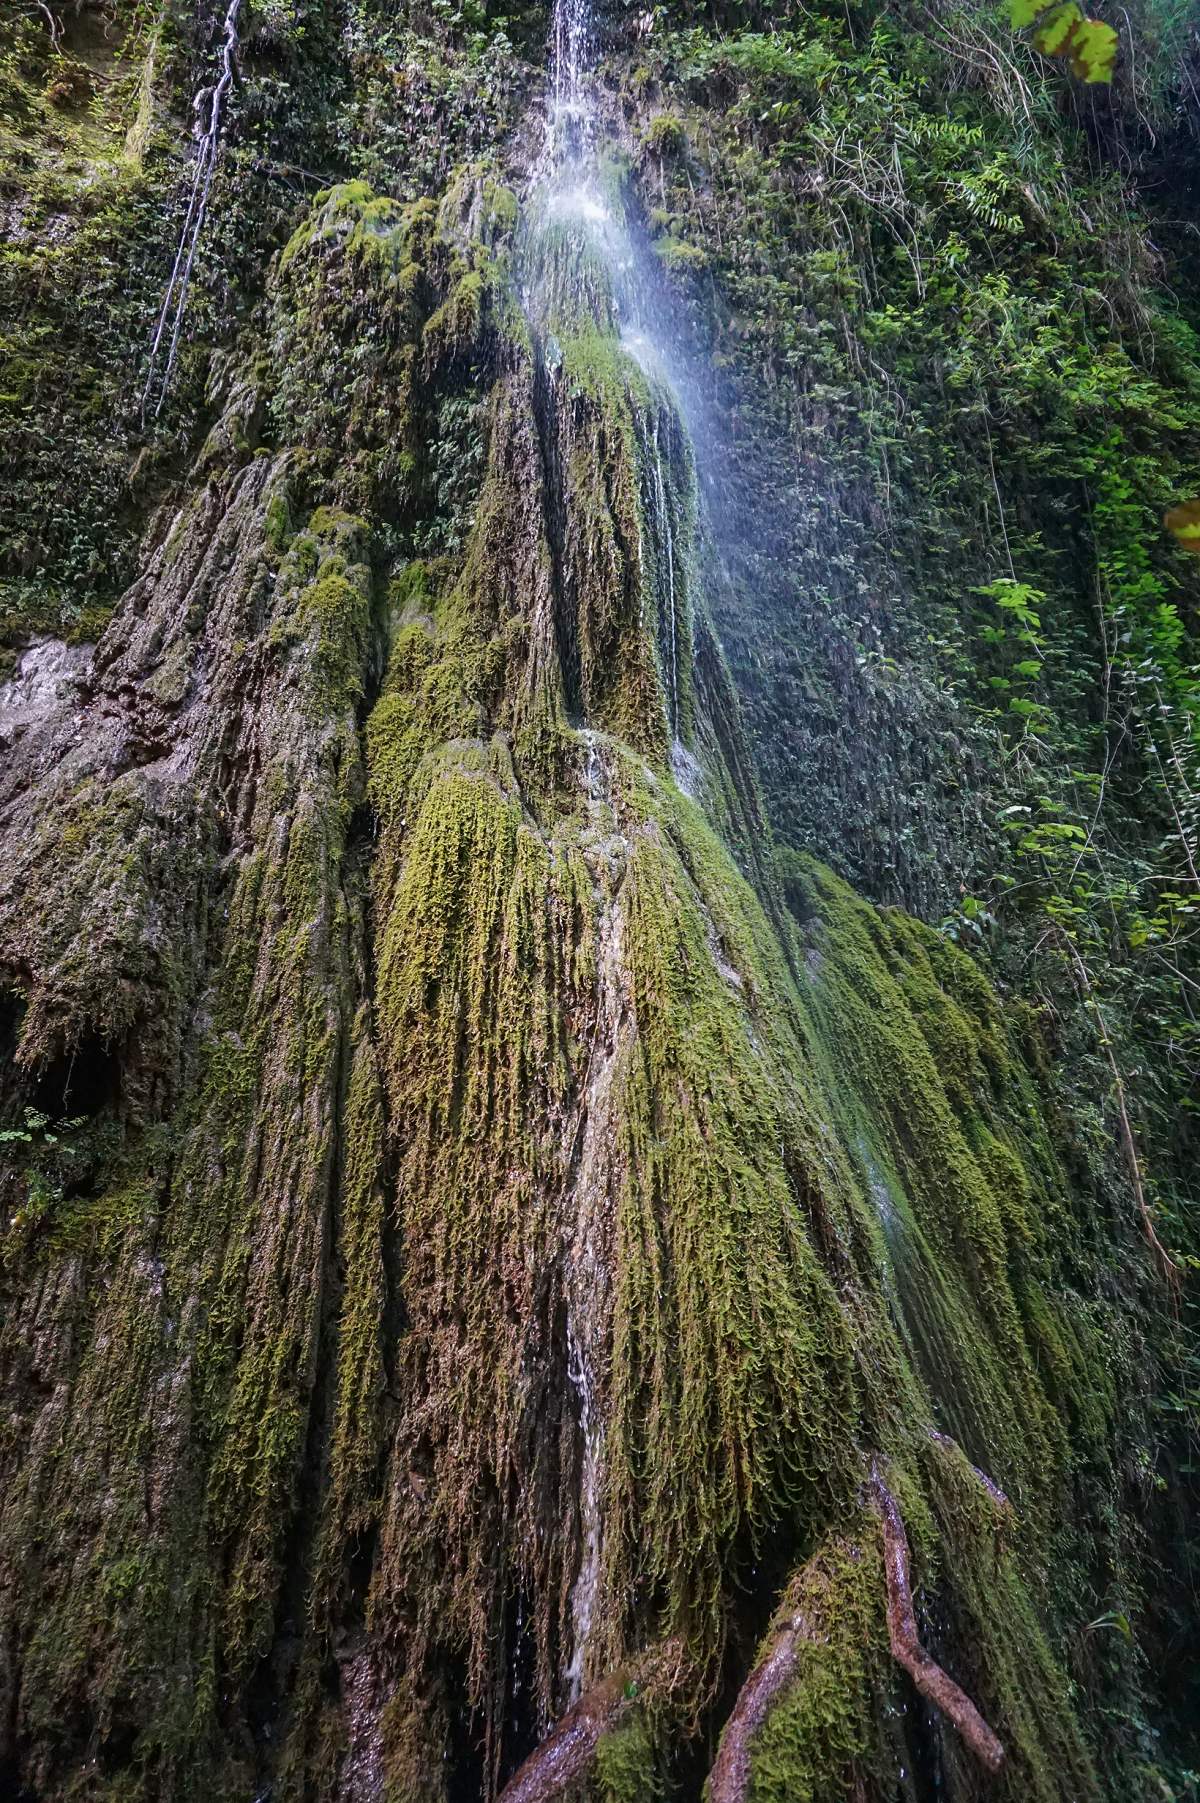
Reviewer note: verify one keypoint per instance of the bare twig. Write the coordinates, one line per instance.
(1005, 1515)
(54, 25)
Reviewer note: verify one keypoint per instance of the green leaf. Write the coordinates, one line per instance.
(1113, 1619)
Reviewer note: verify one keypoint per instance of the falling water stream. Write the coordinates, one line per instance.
(666, 544)
(568, 198)
(570, 192)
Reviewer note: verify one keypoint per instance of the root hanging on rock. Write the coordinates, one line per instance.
(935, 1685)
(1004, 1512)
(569, 1748)
(730, 1776)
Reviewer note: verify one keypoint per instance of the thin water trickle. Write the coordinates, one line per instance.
(587, 1582)
(586, 1282)
(207, 131)
(572, 195)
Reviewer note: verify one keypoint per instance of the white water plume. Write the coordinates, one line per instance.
(569, 53)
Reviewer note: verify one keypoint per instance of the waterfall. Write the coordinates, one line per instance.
(570, 195)
(567, 194)
(584, 275)
(571, 32)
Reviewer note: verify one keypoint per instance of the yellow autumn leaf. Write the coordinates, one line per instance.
(1061, 29)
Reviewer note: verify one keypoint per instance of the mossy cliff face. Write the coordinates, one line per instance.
(477, 1214)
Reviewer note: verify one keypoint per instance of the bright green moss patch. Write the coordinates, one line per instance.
(474, 1052)
(732, 1382)
(453, 333)
(931, 1100)
(367, 227)
(998, 1647)
(628, 1762)
(665, 136)
(331, 609)
(679, 257)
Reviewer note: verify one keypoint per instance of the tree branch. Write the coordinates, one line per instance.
(55, 25)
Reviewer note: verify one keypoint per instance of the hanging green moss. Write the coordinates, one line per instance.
(474, 984)
(627, 1762)
(950, 1149)
(997, 1644)
(733, 1401)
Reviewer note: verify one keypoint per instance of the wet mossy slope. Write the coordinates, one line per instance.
(487, 1219)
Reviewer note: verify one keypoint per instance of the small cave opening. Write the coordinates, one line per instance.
(82, 1082)
(12, 1009)
(10, 1783)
